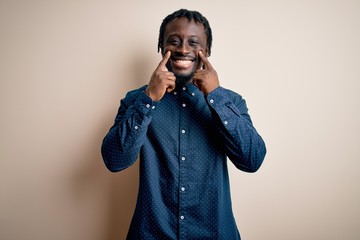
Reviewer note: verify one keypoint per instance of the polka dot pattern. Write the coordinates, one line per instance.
(184, 142)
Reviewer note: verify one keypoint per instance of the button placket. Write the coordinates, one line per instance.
(184, 127)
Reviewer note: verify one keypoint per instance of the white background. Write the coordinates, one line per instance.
(65, 65)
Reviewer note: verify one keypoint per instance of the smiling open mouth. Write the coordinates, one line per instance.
(182, 63)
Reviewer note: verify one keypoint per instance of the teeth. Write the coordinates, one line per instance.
(183, 62)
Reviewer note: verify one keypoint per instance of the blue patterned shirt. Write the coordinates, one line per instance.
(184, 142)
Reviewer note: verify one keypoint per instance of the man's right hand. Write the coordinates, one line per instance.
(161, 80)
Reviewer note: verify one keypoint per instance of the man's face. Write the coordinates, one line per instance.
(184, 39)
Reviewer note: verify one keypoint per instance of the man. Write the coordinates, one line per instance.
(184, 125)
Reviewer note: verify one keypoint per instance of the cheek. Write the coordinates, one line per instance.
(165, 50)
(204, 49)
(169, 48)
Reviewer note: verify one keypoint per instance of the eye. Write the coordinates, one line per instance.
(173, 41)
(193, 42)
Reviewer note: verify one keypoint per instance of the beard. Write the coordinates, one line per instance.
(182, 79)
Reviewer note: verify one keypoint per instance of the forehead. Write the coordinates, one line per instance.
(184, 27)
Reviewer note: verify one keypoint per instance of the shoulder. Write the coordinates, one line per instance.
(132, 95)
(231, 98)
(135, 92)
(230, 94)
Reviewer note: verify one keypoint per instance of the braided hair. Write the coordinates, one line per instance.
(190, 15)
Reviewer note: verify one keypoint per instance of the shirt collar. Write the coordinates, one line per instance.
(189, 88)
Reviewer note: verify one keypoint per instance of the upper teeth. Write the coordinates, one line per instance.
(183, 61)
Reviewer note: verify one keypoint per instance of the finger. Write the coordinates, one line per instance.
(204, 59)
(200, 63)
(168, 76)
(171, 78)
(162, 64)
(197, 84)
(170, 85)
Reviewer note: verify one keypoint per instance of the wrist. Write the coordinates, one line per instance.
(150, 95)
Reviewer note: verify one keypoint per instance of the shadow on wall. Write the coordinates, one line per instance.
(124, 187)
(116, 192)
(124, 184)
(119, 189)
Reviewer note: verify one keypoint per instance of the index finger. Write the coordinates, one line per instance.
(162, 64)
(204, 59)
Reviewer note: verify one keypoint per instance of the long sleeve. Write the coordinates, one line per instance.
(183, 142)
(122, 143)
(244, 146)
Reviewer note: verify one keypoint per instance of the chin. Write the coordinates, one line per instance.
(182, 79)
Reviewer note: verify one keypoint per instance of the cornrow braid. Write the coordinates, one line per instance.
(190, 15)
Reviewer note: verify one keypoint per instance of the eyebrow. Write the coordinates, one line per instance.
(176, 35)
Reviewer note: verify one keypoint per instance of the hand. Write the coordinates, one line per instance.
(205, 77)
(161, 80)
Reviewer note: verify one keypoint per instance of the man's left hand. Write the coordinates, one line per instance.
(205, 77)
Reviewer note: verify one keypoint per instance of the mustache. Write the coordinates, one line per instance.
(176, 55)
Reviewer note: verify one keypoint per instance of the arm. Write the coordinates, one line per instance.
(244, 146)
(122, 143)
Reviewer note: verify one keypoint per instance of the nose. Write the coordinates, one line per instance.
(183, 48)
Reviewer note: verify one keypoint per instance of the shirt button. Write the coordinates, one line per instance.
(153, 107)
(183, 158)
(225, 122)
(184, 88)
(182, 217)
(175, 93)
(182, 189)
(183, 131)
(193, 94)
(136, 127)
(147, 105)
(211, 100)
(184, 104)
